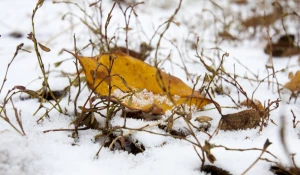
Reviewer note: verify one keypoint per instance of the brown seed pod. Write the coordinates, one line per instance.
(241, 120)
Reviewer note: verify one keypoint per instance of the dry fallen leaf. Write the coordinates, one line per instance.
(240, 120)
(239, 2)
(136, 84)
(203, 119)
(263, 20)
(140, 115)
(227, 36)
(212, 169)
(44, 48)
(294, 84)
(284, 47)
(254, 104)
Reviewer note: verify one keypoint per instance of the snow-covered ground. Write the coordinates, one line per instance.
(58, 153)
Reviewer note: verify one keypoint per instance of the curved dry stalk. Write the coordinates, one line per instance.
(32, 37)
(266, 145)
(165, 30)
(19, 47)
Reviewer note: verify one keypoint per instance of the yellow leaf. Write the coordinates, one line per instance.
(128, 75)
(294, 84)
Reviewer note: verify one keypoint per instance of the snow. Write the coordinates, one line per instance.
(57, 153)
(141, 99)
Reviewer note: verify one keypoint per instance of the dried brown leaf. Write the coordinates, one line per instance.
(226, 35)
(44, 48)
(203, 119)
(211, 157)
(284, 47)
(137, 114)
(211, 169)
(262, 20)
(254, 104)
(240, 120)
(294, 83)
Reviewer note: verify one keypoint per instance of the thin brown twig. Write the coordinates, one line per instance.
(78, 76)
(19, 47)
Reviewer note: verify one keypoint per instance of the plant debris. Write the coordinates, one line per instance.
(284, 47)
(137, 114)
(214, 170)
(87, 120)
(16, 34)
(141, 55)
(263, 20)
(174, 132)
(280, 170)
(125, 143)
(227, 36)
(203, 119)
(241, 120)
(294, 83)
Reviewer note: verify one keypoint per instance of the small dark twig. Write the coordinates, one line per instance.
(294, 119)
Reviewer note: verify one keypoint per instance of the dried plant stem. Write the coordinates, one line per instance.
(57, 102)
(40, 61)
(5, 117)
(170, 20)
(271, 60)
(259, 157)
(18, 117)
(9, 122)
(53, 130)
(295, 123)
(106, 137)
(109, 16)
(8, 97)
(202, 158)
(142, 129)
(109, 113)
(266, 145)
(78, 75)
(133, 131)
(61, 33)
(247, 149)
(127, 21)
(19, 47)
